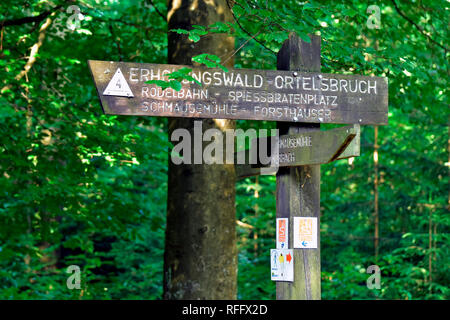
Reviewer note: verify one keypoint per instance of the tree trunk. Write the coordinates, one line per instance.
(200, 260)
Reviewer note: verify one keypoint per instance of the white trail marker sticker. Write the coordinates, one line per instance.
(282, 265)
(118, 86)
(305, 232)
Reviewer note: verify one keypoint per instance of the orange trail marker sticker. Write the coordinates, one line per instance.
(282, 233)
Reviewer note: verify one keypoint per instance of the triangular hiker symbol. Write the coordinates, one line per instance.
(118, 86)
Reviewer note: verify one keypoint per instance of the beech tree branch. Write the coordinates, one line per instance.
(419, 28)
(242, 28)
(32, 57)
(157, 10)
(26, 20)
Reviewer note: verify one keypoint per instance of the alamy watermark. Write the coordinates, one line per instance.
(208, 147)
(73, 281)
(374, 281)
(374, 20)
(73, 21)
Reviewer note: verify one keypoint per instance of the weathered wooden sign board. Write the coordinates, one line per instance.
(315, 147)
(273, 95)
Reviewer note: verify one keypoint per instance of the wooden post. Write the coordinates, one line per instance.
(298, 188)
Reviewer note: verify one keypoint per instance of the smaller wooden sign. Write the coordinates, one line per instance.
(315, 147)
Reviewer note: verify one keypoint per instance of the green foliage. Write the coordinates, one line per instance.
(413, 178)
(80, 187)
(209, 60)
(194, 34)
(175, 79)
(183, 74)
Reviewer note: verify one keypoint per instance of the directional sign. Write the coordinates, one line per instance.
(305, 232)
(243, 94)
(316, 147)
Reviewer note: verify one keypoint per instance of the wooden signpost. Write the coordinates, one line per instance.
(297, 96)
(242, 94)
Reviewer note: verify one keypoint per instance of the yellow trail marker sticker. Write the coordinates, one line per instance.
(305, 232)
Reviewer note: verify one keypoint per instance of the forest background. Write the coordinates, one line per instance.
(78, 187)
